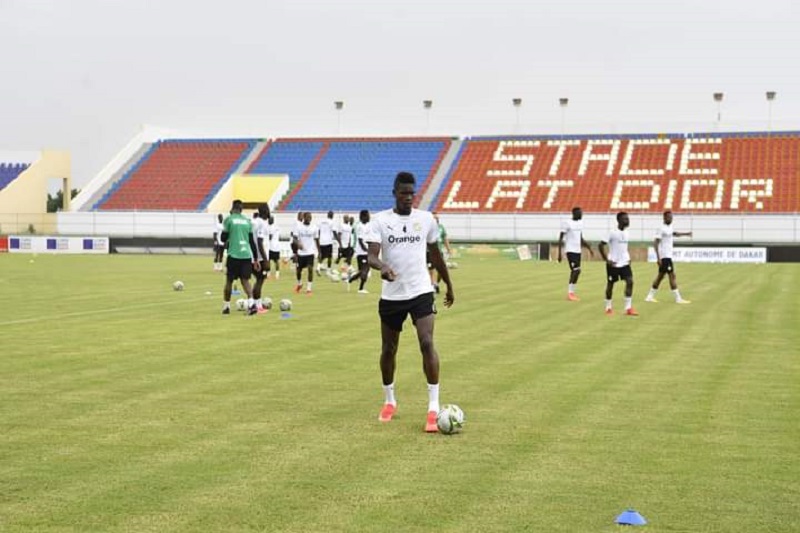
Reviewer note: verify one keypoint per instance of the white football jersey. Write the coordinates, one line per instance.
(219, 228)
(667, 237)
(360, 233)
(274, 233)
(346, 235)
(618, 247)
(573, 230)
(306, 235)
(260, 232)
(325, 232)
(404, 242)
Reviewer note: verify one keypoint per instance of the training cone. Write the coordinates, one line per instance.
(630, 518)
(285, 315)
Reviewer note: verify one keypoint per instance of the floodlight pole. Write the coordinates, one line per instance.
(770, 98)
(563, 102)
(339, 106)
(427, 105)
(517, 103)
(718, 99)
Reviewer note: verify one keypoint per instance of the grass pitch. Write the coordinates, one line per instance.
(126, 406)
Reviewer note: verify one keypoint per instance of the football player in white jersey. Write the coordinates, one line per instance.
(219, 246)
(274, 247)
(345, 237)
(573, 231)
(398, 240)
(618, 263)
(327, 235)
(663, 245)
(260, 233)
(307, 241)
(360, 232)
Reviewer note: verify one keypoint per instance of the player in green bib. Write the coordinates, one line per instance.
(237, 234)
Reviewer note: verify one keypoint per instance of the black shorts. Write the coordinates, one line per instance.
(274, 256)
(614, 274)
(305, 261)
(666, 266)
(362, 261)
(239, 268)
(347, 253)
(574, 261)
(394, 312)
(262, 273)
(326, 251)
(218, 247)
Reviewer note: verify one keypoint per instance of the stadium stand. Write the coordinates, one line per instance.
(702, 173)
(353, 174)
(9, 172)
(179, 174)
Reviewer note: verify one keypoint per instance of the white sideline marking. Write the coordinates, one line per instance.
(96, 312)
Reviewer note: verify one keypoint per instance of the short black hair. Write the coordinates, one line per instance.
(237, 205)
(404, 178)
(263, 211)
(621, 214)
(668, 211)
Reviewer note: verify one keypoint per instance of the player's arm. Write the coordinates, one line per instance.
(224, 235)
(438, 262)
(319, 248)
(586, 244)
(253, 250)
(560, 240)
(657, 245)
(682, 233)
(374, 261)
(260, 244)
(602, 249)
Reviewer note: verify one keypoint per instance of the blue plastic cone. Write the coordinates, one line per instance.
(286, 315)
(631, 518)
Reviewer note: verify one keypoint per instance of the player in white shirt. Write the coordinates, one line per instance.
(297, 224)
(274, 246)
(398, 240)
(344, 236)
(663, 245)
(307, 242)
(572, 235)
(219, 246)
(618, 263)
(260, 233)
(360, 232)
(326, 238)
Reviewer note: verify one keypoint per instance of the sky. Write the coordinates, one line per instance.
(87, 75)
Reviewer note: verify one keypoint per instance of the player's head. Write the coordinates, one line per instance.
(219, 217)
(363, 216)
(299, 216)
(435, 216)
(271, 219)
(667, 217)
(307, 218)
(577, 213)
(330, 215)
(236, 206)
(263, 211)
(623, 221)
(403, 192)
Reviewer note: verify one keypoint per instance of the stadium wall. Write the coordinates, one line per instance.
(727, 229)
(23, 203)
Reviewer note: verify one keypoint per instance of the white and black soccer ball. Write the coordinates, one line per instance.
(241, 304)
(450, 419)
(266, 303)
(286, 305)
(177, 286)
(334, 275)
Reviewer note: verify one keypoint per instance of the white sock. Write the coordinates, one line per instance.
(608, 304)
(571, 287)
(226, 305)
(258, 302)
(277, 275)
(652, 293)
(388, 391)
(628, 304)
(433, 397)
(250, 303)
(308, 286)
(677, 294)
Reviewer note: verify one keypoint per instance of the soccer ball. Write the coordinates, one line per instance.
(241, 304)
(286, 305)
(450, 419)
(266, 303)
(335, 277)
(177, 286)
